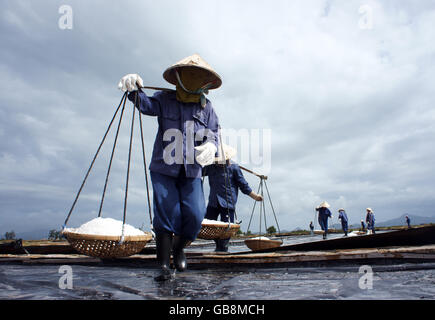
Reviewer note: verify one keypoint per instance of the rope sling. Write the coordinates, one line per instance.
(260, 244)
(104, 252)
(229, 231)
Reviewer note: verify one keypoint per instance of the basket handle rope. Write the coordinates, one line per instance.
(136, 103)
(123, 99)
(260, 190)
(122, 103)
(110, 162)
(128, 172)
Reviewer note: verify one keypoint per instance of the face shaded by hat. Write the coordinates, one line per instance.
(197, 67)
(193, 77)
(341, 209)
(369, 209)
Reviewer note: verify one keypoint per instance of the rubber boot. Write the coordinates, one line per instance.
(222, 245)
(178, 255)
(163, 250)
(218, 246)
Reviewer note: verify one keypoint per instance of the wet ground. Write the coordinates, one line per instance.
(403, 281)
(388, 282)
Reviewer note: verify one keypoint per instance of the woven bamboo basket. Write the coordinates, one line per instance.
(107, 247)
(260, 244)
(218, 231)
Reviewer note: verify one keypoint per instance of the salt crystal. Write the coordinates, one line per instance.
(207, 221)
(260, 238)
(106, 227)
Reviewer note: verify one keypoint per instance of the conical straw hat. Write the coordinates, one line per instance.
(229, 153)
(194, 61)
(324, 204)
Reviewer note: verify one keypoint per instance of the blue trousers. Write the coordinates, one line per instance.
(323, 222)
(179, 205)
(345, 227)
(214, 212)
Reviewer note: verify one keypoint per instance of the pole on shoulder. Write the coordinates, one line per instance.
(263, 177)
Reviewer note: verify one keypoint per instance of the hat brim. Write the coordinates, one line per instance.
(210, 76)
(324, 205)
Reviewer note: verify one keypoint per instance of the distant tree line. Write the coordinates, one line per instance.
(55, 235)
(269, 231)
(9, 235)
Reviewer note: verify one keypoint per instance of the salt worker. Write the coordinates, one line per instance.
(408, 221)
(342, 216)
(370, 219)
(311, 228)
(186, 140)
(224, 191)
(324, 214)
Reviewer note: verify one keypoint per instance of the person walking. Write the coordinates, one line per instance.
(408, 222)
(370, 220)
(324, 214)
(342, 216)
(312, 228)
(225, 180)
(181, 149)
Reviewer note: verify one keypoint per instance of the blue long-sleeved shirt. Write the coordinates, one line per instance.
(216, 177)
(370, 219)
(343, 217)
(182, 126)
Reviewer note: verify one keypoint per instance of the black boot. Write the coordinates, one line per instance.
(163, 249)
(222, 245)
(178, 255)
(218, 246)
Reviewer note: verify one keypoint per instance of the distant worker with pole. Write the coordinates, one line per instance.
(225, 179)
(408, 222)
(370, 219)
(324, 214)
(342, 216)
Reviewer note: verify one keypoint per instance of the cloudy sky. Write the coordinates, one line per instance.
(345, 88)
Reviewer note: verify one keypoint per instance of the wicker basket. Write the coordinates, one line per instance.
(107, 247)
(218, 231)
(260, 244)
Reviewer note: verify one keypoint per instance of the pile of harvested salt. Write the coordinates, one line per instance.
(207, 221)
(260, 238)
(106, 227)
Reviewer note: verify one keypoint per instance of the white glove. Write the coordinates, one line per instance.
(205, 154)
(130, 82)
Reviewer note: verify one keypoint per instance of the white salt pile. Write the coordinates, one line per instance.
(106, 227)
(207, 221)
(260, 238)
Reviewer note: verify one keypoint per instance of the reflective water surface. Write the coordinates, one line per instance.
(403, 281)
